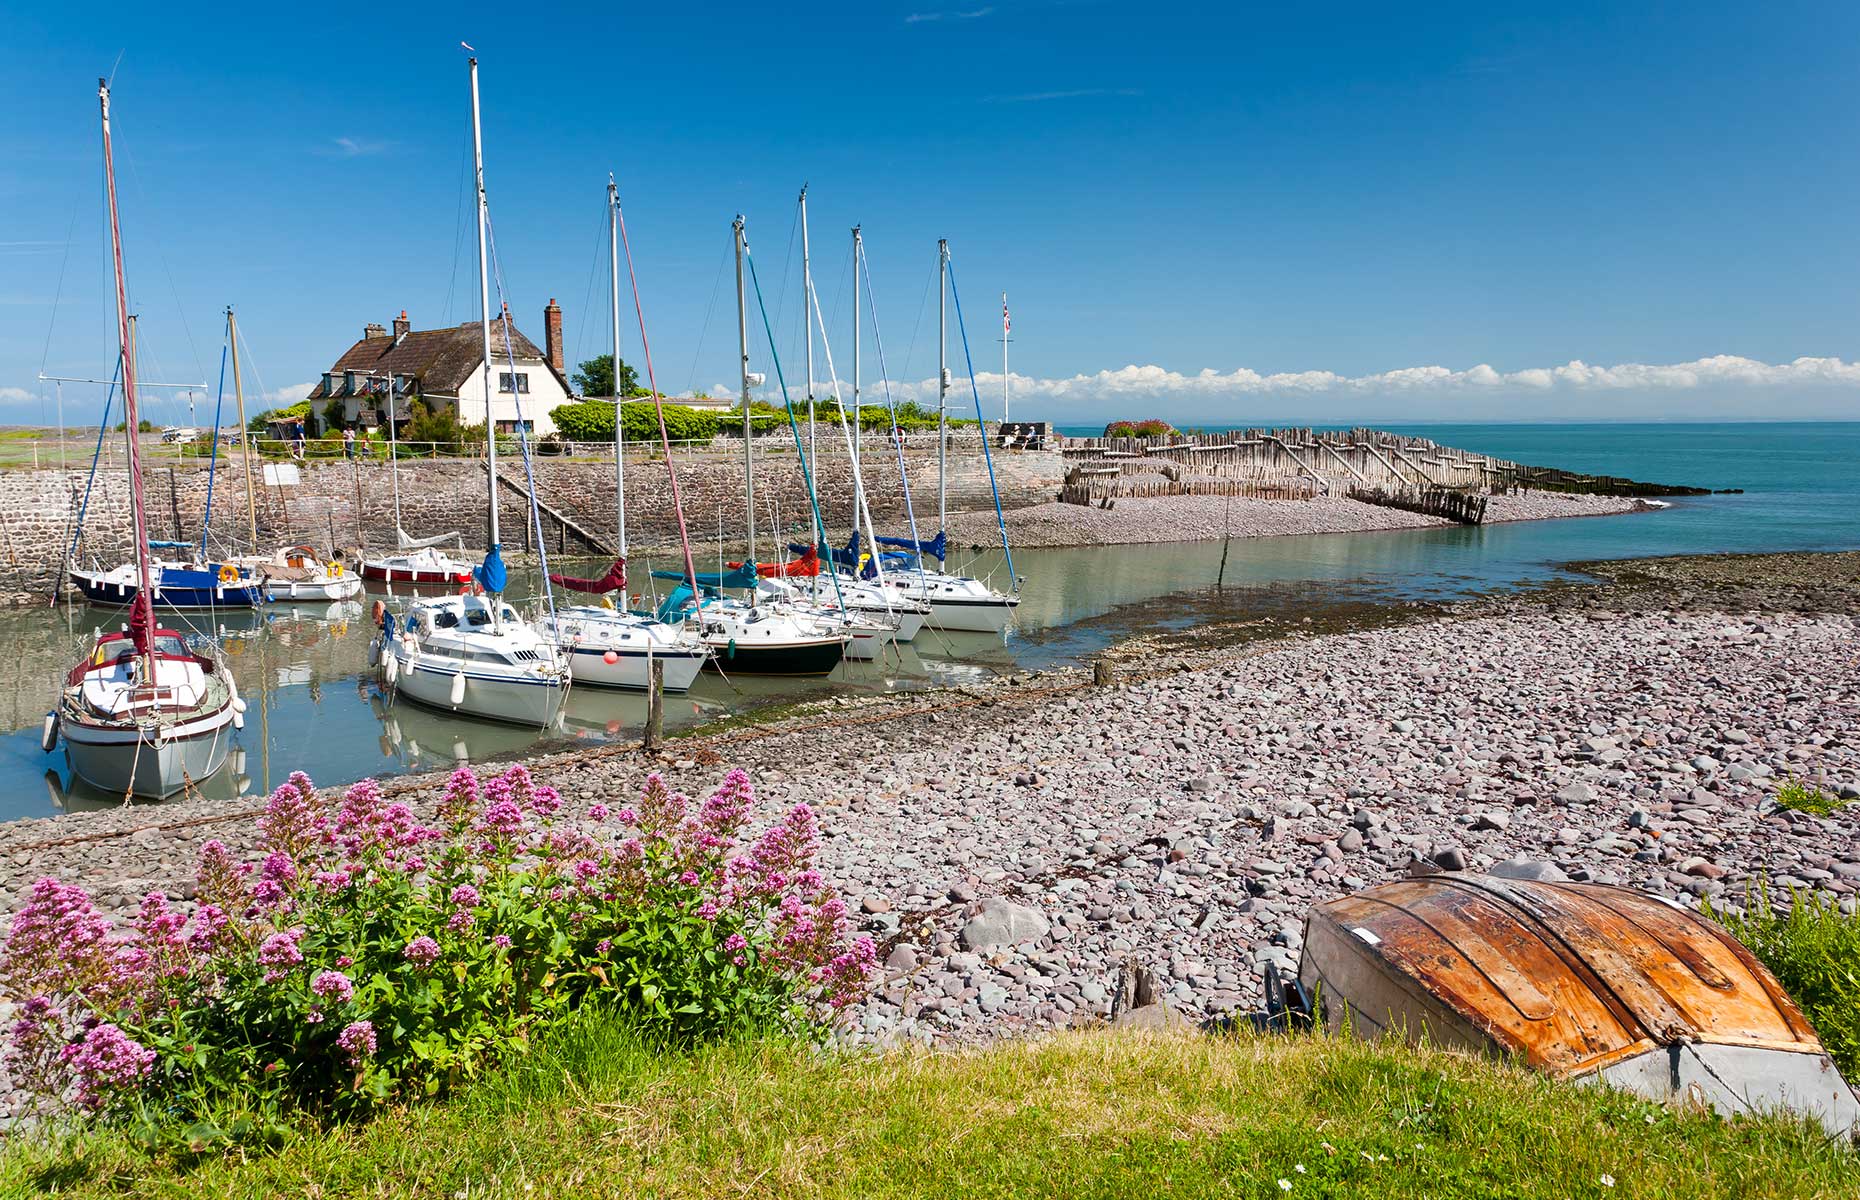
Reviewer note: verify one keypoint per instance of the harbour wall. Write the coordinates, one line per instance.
(341, 504)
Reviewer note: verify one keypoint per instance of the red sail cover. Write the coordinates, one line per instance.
(807, 565)
(613, 581)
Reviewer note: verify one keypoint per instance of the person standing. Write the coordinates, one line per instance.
(348, 442)
(297, 440)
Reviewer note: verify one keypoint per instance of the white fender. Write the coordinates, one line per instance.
(458, 689)
(49, 739)
(238, 703)
(392, 665)
(374, 651)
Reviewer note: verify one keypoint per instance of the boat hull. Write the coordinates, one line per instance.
(110, 594)
(632, 669)
(294, 591)
(972, 616)
(814, 656)
(487, 697)
(385, 574)
(125, 760)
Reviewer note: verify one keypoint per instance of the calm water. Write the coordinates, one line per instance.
(304, 672)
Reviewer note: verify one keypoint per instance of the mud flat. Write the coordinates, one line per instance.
(1012, 844)
(1195, 518)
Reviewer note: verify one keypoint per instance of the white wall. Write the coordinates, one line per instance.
(545, 394)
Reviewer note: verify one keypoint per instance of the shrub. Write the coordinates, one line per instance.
(1813, 949)
(372, 958)
(1148, 428)
(1803, 797)
(594, 422)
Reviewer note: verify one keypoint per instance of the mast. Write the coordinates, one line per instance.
(942, 384)
(393, 457)
(245, 435)
(858, 488)
(484, 309)
(807, 287)
(613, 254)
(1004, 371)
(742, 345)
(141, 609)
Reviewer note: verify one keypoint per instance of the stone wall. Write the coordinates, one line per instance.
(344, 505)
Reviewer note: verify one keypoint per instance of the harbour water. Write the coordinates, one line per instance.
(314, 707)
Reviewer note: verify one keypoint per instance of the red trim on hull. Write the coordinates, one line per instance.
(395, 575)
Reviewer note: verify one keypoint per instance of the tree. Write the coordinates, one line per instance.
(595, 377)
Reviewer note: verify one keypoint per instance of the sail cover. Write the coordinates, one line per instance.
(937, 547)
(613, 581)
(742, 577)
(806, 566)
(491, 576)
(414, 543)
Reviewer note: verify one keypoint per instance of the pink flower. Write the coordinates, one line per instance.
(334, 985)
(280, 949)
(422, 951)
(461, 798)
(502, 817)
(357, 1040)
(460, 921)
(689, 879)
(597, 811)
(627, 817)
(106, 1061)
(708, 910)
(293, 822)
(464, 896)
(501, 941)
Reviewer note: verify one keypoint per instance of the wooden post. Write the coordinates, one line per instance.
(655, 705)
(1101, 672)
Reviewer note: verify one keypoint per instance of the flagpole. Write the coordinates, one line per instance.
(1005, 326)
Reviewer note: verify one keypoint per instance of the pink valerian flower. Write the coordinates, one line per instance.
(333, 986)
(60, 943)
(422, 952)
(105, 1062)
(661, 810)
(604, 947)
(160, 937)
(784, 851)
(279, 952)
(209, 929)
(689, 878)
(708, 910)
(219, 880)
(843, 978)
(314, 1017)
(501, 941)
(356, 814)
(502, 818)
(34, 1045)
(460, 921)
(332, 882)
(461, 798)
(627, 816)
(597, 811)
(278, 867)
(464, 896)
(343, 960)
(267, 894)
(586, 870)
(735, 941)
(357, 1040)
(293, 821)
(723, 814)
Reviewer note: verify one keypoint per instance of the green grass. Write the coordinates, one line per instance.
(1813, 949)
(1802, 797)
(1078, 1115)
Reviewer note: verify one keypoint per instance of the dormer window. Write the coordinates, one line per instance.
(522, 379)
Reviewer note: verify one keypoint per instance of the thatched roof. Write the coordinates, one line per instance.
(440, 359)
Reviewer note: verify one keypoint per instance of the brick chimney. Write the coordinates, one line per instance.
(552, 334)
(402, 326)
(374, 330)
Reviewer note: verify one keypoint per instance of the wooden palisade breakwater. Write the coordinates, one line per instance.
(1468, 508)
(1328, 461)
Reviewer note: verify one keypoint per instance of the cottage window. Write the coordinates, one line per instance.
(512, 426)
(522, 378)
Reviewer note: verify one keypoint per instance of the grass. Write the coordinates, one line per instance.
(1078, 1115)
(1813, 949)
(1802, 797)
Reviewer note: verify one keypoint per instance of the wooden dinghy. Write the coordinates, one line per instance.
(1580, 981)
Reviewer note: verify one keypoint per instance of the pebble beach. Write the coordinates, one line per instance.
(1012, 844)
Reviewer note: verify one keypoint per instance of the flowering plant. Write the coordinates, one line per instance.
(370, 956)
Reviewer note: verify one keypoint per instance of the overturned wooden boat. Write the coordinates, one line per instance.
(1580, 981)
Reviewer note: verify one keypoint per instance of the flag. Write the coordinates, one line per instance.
(1007, 325)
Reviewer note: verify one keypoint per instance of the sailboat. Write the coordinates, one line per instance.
(292, 574)
(608, 645)
(757, 635)
(419, 560)
(956, 602)
(142, 713)
(472, 653)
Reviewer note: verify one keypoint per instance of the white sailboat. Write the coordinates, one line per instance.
(419, 560)
(472, 653)
(291, 574)
(608, 645)
(142, 713)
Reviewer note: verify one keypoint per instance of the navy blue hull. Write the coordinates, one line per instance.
(168, 595)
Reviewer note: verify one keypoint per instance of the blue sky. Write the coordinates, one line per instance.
(1212, 212)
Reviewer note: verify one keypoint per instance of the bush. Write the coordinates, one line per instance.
(1813, 949)
(1149, 428)
(371, 958)
(594, 422)
(1803, 797)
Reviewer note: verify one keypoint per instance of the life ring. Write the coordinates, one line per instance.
(607, 602)
(335, 569)
(229, 573)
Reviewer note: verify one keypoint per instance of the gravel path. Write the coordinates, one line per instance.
(1194, 518)
(1013, 844)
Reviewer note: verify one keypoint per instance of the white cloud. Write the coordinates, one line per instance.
(1720, 386)
(282, 397)
(14, 395)
(947, 15)
(354, 147)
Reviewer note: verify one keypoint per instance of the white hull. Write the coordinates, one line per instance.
(428, 679)
(633, 670)
(971, 616)
(293, 591)
(118, 761)
(586, 635)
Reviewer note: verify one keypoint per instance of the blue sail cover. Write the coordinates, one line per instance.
(676, 603)
(936, 547)
(848, 557)
(155, 545)
(492, 576)
(741, 577)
